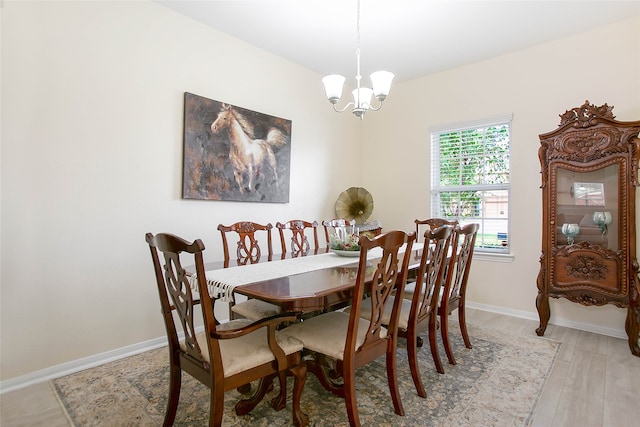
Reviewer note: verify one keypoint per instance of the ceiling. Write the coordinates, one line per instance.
(410, 38)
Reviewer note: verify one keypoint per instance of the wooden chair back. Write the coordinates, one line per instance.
(430, 273)
(248, 249)
(199, 354)
(390, 275)
(299, 238)
(426, 298)
(455, 283)
(349, 340)
(431, 224)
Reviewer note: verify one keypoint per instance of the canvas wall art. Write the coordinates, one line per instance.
(234, 154)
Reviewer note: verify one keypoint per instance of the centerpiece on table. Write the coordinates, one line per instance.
(344, 243)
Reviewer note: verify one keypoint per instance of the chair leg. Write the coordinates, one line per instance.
(463, 325)
(280, 401)
(300, 419)
(444, 331)
(175, 382)
(412, 354)
(216, 406)
(392, 377)
(326, 375)
(419, 341)
(244, 389)
(350, 397)
(434, 344)
(245, 406)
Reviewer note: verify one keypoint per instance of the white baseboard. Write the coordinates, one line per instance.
(79, 365)
(587, 327)
(109, 356)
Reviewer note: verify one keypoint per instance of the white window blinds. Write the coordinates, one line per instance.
(470, 177)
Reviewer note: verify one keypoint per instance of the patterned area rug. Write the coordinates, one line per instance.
(497, 383)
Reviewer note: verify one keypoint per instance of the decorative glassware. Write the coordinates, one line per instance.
(602, 219)
(345, 239)
(571, 231)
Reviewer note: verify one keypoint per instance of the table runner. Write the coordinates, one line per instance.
(223, 281)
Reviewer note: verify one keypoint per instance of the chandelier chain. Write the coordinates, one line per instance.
(358, 24)
(358, 75)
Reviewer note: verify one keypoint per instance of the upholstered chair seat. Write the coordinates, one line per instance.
(248, 351)
(403, 318)
(409, 289)
(255, 309)
(327, 333)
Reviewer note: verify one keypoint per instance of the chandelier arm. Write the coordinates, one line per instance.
(340, 110)
(371, 107)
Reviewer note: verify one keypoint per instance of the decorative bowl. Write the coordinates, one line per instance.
(355, 253)
(343, 241)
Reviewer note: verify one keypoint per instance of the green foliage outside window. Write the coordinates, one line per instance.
(470, 179)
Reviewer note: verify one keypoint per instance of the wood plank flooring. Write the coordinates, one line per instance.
(595, 382)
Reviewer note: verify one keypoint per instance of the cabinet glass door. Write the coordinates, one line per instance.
(587, 207)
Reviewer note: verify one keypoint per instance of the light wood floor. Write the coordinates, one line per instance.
(595, 382)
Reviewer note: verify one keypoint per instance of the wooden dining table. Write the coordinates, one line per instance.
(307, 290)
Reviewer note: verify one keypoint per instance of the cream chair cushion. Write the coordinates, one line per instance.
(403, 319)
(327, 333)
(233, 324)
(410, 288)
(248, 351)
(255, 309)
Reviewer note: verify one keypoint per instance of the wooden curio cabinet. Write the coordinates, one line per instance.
(589, 180)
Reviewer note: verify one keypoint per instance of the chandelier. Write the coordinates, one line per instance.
(381, 81)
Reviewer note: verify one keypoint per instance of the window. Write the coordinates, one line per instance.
(470, 178)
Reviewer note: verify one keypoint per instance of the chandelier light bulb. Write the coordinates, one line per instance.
(362, 97)
(381, 81)
(333, 85)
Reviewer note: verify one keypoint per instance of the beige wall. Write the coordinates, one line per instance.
(92, 102)
(92, 110)
(536, 85)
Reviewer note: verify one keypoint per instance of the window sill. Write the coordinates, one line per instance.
(485, 256)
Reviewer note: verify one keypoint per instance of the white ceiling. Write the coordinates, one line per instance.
(410, 38)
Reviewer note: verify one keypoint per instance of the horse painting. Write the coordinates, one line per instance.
(234, 154)
(248, 154)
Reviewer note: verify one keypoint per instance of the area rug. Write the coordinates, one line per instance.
(497, 383)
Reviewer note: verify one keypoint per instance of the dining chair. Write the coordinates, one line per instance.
(420, 312)
(344, 225)
(300, 245)
(223, 356)
(423, 225)
(455, 285)
(341, 342)
(432, 224)
(248, 251)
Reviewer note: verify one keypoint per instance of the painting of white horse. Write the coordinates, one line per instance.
(231, 153)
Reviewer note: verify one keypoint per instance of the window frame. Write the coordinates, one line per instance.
(435, 188)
